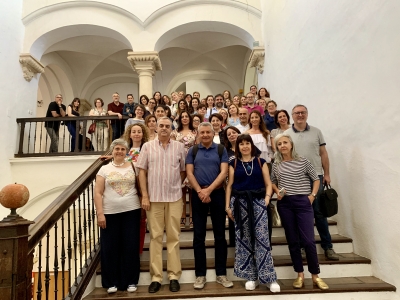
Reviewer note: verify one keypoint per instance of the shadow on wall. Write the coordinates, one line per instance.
(36, 205)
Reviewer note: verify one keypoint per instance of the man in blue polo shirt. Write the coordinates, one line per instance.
(207, 167)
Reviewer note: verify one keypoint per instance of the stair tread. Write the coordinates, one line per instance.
(279, 261)
(278, 240)
(209, 226)
(213, 289)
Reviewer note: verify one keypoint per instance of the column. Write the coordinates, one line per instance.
(145, 64)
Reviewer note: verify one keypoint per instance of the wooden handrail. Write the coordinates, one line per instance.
(46, 220)
(22, 120)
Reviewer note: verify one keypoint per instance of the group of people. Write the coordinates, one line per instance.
(227, 170)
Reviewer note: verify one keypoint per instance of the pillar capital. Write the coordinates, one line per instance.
(30, 66)
(146, 61)
(257, 59)
(145, 64)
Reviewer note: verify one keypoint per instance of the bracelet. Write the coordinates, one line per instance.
(226, 209)
(268, 195)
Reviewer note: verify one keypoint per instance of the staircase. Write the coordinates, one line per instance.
(349, 278)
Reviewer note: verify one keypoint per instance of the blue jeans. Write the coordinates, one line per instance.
(320, 221)
(218, 215)
(72, 131)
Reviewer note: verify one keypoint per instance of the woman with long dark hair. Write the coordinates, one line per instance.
(247, 197)
(186, 134)
(73, 111)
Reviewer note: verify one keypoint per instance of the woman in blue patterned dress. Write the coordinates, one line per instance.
(247, 196)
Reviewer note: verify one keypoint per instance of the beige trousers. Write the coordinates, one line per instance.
(168, 215)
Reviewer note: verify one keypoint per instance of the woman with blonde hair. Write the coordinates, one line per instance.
(292, 174)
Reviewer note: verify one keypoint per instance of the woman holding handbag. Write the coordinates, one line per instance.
(290, 177)
(247, 196)
(100, 140)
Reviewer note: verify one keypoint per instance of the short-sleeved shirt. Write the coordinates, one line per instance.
(294, 176)
(255, 107)
(244, 182)
(164, 167)
(269, 121)
(207, 164)
(129, 109)
(242, 128)
(307, 143)
(116, 109)
(53, 106)
(120, 192)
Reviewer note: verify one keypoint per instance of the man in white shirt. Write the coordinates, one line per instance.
(243, 126)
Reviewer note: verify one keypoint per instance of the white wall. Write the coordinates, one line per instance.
(106, 91)
(207, 87)
(341, 59)
(17, 96)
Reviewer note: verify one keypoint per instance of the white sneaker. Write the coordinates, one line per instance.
(200, 282)
(251, 285)
(112, 290)
(224, 281)
(132, 288)
(274, 287)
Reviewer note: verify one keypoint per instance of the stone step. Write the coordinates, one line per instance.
(277, 231)
(341, 244)
(349, 264)
(344, 288)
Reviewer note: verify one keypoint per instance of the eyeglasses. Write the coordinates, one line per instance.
(242, 114)
(197, 121)
(298, 113)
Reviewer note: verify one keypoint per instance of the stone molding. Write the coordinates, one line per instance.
(145, 61)
(257, 59)
(30, 66)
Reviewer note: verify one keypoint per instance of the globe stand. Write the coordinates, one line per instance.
(13, 216)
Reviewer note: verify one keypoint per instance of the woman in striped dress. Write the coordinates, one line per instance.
(290, 178)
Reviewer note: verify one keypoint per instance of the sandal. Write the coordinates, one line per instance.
(183, 222)
(191, 222)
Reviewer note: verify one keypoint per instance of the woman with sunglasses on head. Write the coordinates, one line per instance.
(186, 134)
(223, 112)
(247, 197)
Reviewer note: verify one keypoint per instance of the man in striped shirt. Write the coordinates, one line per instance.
(310, 143)
(162, 171)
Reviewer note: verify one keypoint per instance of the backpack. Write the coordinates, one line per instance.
(196, 149)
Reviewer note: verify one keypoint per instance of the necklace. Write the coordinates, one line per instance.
(117, 165)
(248, 166)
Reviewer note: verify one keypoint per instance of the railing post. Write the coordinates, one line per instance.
(15, 275)
(21, 138)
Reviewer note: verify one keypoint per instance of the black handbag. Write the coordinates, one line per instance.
(328, 203)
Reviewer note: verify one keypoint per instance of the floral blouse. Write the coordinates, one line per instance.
(187, 140)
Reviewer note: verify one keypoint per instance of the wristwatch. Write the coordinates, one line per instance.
(315, 195)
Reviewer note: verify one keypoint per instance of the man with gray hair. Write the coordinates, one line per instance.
(55, 110)
(310, 143)
(162, 171)
(206, 168)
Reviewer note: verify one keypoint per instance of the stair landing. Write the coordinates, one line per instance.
(346, 285)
